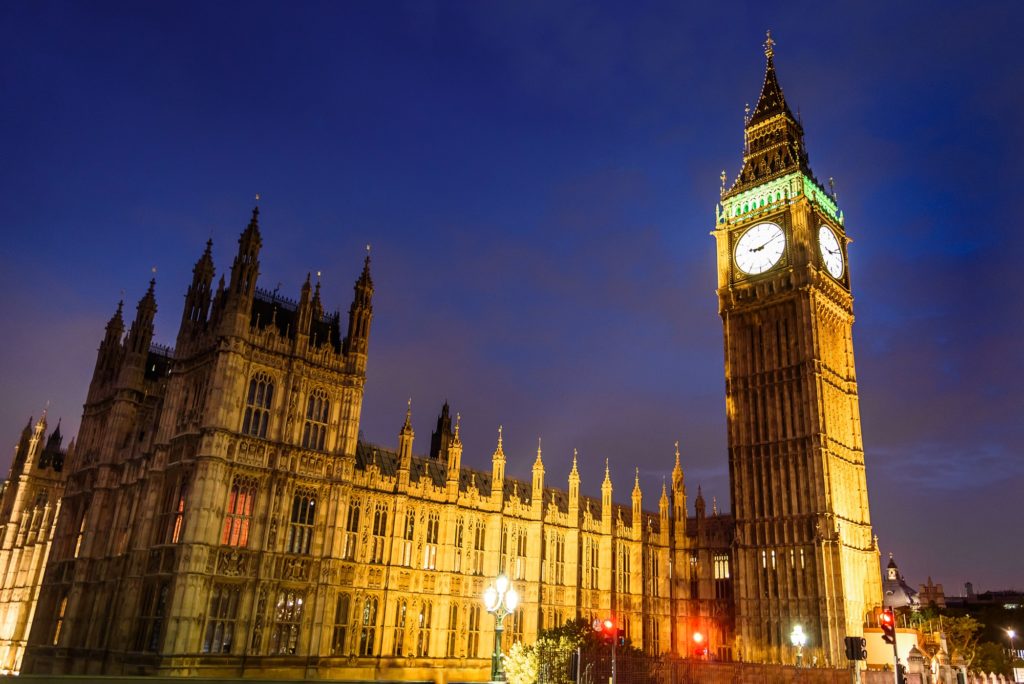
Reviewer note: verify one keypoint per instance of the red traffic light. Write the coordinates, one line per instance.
(888, 623)
(609, 625)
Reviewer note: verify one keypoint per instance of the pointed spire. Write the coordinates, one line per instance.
(607, 473)
(714, 505)
(539, 461)
(771, 101)
(455, 437)
(500, 449)
(407, 426)
(664, 493)
(636, 481)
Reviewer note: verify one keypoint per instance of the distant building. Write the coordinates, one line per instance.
(931, 593)
(896, 593)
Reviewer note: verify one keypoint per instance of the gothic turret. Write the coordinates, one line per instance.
(663, 513)
(441, 438)
(678, 490)
(698, 505)
(304, 313)
(359, 316)
(245, 270)
(637, 498)
(574, 491)
(140, 336)
(108, 356)
(498, 471)
(454, 462)
(537, 501)
(606, 500)
(199, 295)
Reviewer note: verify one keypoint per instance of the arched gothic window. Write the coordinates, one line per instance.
(257, 405)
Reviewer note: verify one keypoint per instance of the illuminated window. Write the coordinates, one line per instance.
(519, 564)
(380, 528)
(460, 528)
(257, 405)
(479, 534)
(622, 563)
(341, 620)
(348, 550)
(220, 623)
(408, 534)
(368, 629)
(556, 558)
(239, 512)
(284, 637)
(60, 618)
(81, 533)
(171, 523)
(300, 527)
(473, 628)
(318, 410)
(401, 611)
(430, 546)
(423, 630)
(453, 629)
(723, 584)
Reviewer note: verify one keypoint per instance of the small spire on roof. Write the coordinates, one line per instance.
(769, 45)
(722, 178)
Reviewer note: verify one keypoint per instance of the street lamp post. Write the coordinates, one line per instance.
(798, 639)
(500, 599)
(1012, 634)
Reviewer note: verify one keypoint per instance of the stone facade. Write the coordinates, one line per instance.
(805, 551)
(29, 505)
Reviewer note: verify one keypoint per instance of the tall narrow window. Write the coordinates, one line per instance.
(423, 630)
(408, 534)
(622, 577)
(453, 629)
(473, 628)
(239, 512)
(460, 529)
(300, 528)
(556, 559)
(284, 638)
(60, 619)
(257, 405)
(479, 534)
(430, 547)
(723, 585)
(221, 618)
(519, 564)
(380, 529)
(401, 613)
(318, 410)
(368, 629)
(152, 609)
(694, 576)
(172, 516)
(515, 631)
(348, 551)
(341, 617)
(81, 533)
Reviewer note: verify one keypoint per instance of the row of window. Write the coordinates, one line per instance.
(259, 404)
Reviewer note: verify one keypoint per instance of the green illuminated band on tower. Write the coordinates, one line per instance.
(775, 192)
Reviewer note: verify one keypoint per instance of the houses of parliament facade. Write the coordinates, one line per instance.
(218, 514)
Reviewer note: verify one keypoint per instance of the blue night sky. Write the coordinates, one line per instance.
(538, 181)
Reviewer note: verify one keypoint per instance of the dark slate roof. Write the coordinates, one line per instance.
(269, 307)
(771, 101)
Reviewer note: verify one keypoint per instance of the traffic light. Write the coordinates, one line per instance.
(856, 648)
(606, 629)
(888, 624)
(700, 646)
(901, 673)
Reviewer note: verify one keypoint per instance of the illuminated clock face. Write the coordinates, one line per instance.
(760, 248)
(831, 253)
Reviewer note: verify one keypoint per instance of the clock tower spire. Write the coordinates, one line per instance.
(805, 553)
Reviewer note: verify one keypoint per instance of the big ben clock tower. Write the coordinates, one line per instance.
(805, 554)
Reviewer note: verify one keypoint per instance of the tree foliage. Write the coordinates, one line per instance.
(962, 637)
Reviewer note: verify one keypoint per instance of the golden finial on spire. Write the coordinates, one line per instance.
(607, 474)
(458, 418)
(636, 481)
(257, 198)
(574, 458)
(769, 44)
(723, 178)
(499, 436)
(677, 453)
